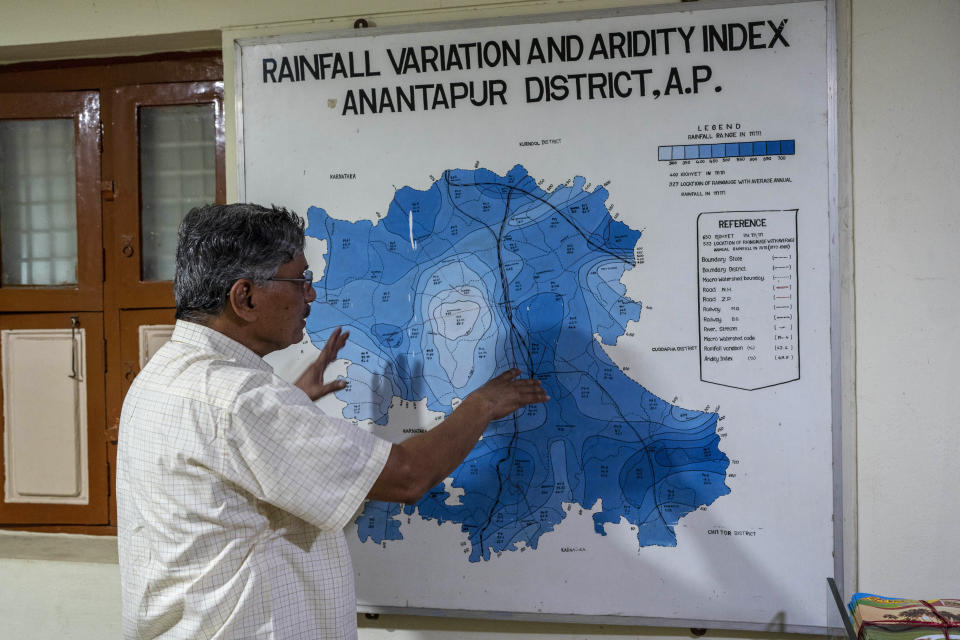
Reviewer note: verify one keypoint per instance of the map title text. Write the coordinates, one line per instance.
(590, 81)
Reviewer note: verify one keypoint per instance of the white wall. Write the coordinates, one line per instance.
(58, 586)
(906, 199)
(76, 600)
(82, 20)
(904, 94)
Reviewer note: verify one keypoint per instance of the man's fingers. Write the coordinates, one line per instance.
(529, 390)
(529, 387)
(331, 341)
(336, 341)
(535, 393)
(509, 374)
(330, 387)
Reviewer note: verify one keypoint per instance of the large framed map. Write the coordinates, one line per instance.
(632, 206)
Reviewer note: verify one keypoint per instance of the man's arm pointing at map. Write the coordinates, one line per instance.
(419, 463)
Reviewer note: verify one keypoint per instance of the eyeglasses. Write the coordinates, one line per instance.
(306, 280)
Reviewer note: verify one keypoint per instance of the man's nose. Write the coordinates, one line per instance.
(310, 293)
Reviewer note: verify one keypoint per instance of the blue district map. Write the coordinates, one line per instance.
(480, 273)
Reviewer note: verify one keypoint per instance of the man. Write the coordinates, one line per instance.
(232, 487)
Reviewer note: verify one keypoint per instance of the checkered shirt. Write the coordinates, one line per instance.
(233, 489)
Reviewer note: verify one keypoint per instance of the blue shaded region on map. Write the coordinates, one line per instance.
(482, 272)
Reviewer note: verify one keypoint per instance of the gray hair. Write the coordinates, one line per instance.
(219, 244)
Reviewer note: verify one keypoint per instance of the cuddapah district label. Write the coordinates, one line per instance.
(748, 303)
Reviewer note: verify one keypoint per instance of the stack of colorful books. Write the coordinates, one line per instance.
(881, 618)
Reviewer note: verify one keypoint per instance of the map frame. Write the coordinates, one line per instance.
(830, 80)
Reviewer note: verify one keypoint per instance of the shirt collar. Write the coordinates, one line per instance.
(209, 339)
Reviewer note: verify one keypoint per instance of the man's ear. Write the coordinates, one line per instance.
(240, 299)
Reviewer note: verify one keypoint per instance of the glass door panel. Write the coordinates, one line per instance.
(38, 202)
(174, 163)
(178, 147)
(50, 222)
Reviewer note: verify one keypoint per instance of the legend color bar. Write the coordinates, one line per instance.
(726, 150)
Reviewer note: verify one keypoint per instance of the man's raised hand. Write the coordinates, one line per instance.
(311, 380)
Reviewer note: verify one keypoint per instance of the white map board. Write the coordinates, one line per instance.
(634, 207)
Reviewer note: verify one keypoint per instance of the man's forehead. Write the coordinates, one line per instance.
(298, 264)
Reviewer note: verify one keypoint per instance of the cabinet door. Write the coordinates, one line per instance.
(54, 468)
(142, 332)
